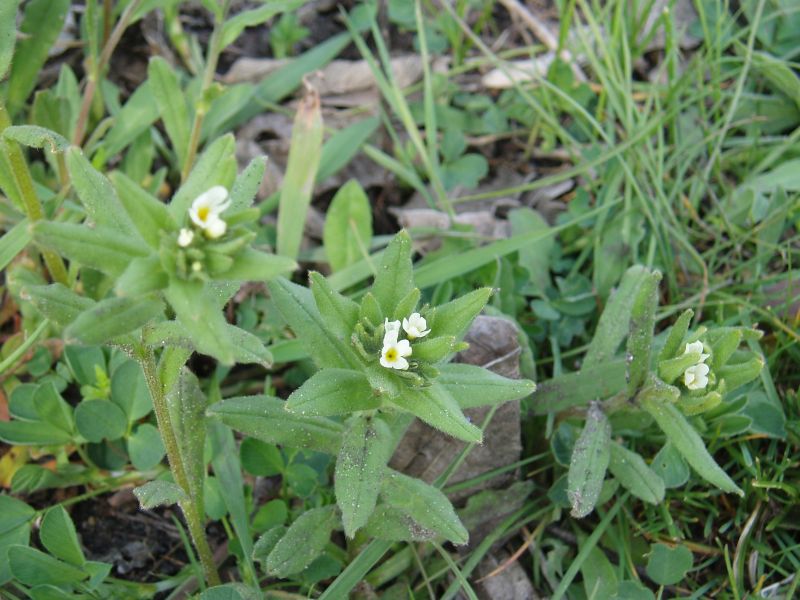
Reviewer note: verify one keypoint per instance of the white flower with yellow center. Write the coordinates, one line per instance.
(697, 347)
(391, 326)
(206, 210)
(415, 325)
(394, 352)
(696, 377)
(185, 237)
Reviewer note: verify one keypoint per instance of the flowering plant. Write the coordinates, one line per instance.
(381, 363)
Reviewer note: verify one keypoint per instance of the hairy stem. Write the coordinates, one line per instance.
(190, 509)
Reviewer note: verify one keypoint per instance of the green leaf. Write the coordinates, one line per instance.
(260, 458)
(333, 392)
(15, 239)
(736, 375)
(145, 447)
(301, 170)
(436, 349)
(578, 389)
(466, 172)
(587, 467)
(129, 391)
(266, 544)
(135, 118)
(101, 248)
(599, 575)
(778, 73)
(670, 466)
(112, 318)
(198, 313)
(253, 265)
(366, 448)
(657, 399)
(187, 408)
(676, 334)
(425, 504)
(40, 28)
(84, 362)
(34, 136)
(395, 278)
(216, 166)
(296, 305)
(236, 24)
(475, 386)
(455, 317)
(614, 323)
(8, 34)
(57, 534)
(98, 196)
(57, 302)
(143, 276)
(149, 215)
(632, 590)
(667, 565)
(339, 312)
(305, 539)
(640, 340)
(247, 184)
(52, 408)
(437, 407)
(343, 145)
(172, 105)
(32, 433)
(31, 566)
(14, 514)
(348, 226)
(535, 257)
(97, 420)
(159, 493)
(265, 418)
(633, 473)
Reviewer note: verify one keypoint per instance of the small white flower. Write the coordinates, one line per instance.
(394, 352)
(696, 377)
(697, 347)
(391, 326)
(206, 210)
(415, 325)
(185, 237)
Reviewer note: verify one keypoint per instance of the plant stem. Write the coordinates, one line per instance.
(33, 208)
(212, 57)
(97, 69)
(190, 510)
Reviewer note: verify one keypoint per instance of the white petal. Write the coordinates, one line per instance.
(401, 364)
(215, 227)
(185, 237)
(404, 348)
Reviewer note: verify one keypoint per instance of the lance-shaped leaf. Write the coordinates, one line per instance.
(171, 103)
(395, 278)
(614, 323)
(425, 504)
(266, 418)
(366, 448)
(101, 248)
(203, 320)
(216, 166)
(57, 302)
(32, 567)
(159, 493)
(36, 137)
(253, 265)
(296, 305)
(113, 317)
(475, 386)
(676, 334)
(437, 407)
(338, 311)
(143, 275)
(723, 348)
(8, 34)
(392, 524)
(633, 473)
(187, 409)
(435, 349)
(301, 171)
(97, 195)
(455, 317)
(135, 118)
(640, 340)
(304, 541)
(348, 226)
(246, 186)
(736, 375)
(587, 467)
(669, 370)
(32, 433)
(578, 389)
(333, 392)
(658, 400)
(149, 215)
